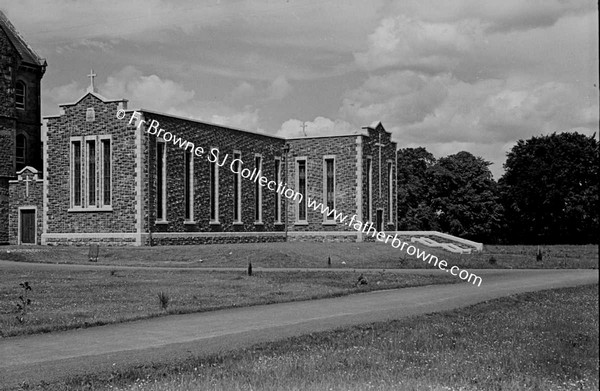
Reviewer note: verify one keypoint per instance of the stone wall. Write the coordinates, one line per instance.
(8, 67)
(25, 192)
(226, 141)
(379, 198)
(15, 121)
(343, 150)
(29, 118)
(325, 237)
(62, 217)
(86, 241)
(4, 210)
(216, 238)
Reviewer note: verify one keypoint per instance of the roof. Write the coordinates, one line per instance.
(357, 133)
(92, 93)
(95, 94)
(258, 133)
(373, 125)
(26, 52)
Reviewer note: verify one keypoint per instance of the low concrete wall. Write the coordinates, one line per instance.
(476, 245)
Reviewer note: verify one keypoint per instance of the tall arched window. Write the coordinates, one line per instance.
(21, 152)
(20, 95)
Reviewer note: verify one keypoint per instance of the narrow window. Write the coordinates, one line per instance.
(214, 192)
(237, 188)
(369, 187)
(277, 194)
(20, 95)
(161, 155)
(106, 172)
(76, 172)
(91, 172)
(21, 153)
(390, 192)
(258, 190)
(330, 188)
(301, 174)
(189, 185)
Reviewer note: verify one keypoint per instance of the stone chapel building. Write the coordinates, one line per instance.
(100, 179)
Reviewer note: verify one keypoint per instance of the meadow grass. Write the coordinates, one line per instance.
(310, 255)
(545, 340)
(65, 299)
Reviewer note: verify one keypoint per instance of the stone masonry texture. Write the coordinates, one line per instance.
(343, 150)
(22, 197)
(15, 121)
(61, 217)
(226, 141)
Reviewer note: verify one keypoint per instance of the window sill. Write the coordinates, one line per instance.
(87, 210)
(215, 223)
(160, 222)
(238, 223)
(190, 222)
(279, 223)
(259, 223)
(301, 223)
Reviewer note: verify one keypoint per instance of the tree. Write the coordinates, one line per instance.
(465, 197)
(550, 189)
(414, 212)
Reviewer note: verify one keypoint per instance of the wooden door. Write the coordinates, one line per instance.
(27, 226)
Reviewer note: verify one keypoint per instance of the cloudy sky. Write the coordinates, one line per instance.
(447, 75)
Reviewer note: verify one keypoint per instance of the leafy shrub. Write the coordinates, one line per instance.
(163, 300)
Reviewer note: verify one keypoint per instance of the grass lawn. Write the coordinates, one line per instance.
(536, 341)
(310, 255)
(64, 299)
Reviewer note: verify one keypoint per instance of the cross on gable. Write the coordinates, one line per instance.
(91, 88)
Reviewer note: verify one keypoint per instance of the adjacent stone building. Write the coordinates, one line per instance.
(21, 72)
(101, 173)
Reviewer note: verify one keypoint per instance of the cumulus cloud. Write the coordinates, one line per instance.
(510, 15)
(404, 42)
(143, 19)
(279, 88)
(248, 119)
(466, 74)
(243, 90)
(153, 92)
(321, 126)
(442, 108)
(66, 93)
(146, 91)
(397, 98)
(497, 16)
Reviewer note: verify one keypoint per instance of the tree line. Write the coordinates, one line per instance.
(547, 195)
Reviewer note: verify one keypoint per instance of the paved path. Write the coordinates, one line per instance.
(50, 356)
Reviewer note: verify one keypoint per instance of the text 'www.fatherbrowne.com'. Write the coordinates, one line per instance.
(281, 188)
(368, 229)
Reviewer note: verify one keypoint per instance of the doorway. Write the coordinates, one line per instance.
(27, 226)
